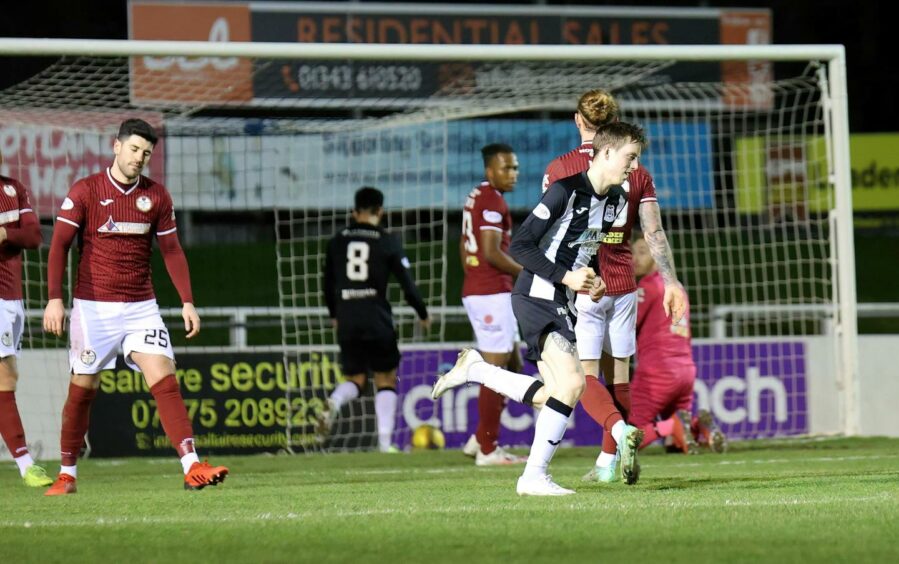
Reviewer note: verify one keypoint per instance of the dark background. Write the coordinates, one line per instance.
(861, 26)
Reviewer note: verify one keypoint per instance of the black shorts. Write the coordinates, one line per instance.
(538, 317)
(358, 356)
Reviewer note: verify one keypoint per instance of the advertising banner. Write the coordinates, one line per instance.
(417, 166)
(376, 83)
(239, 404)
(49, 150)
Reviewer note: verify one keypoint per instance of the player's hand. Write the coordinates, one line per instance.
(598, 290)
(191, 319)
(55, 317)
(3, 235)
(334, 322)
(674, 302)
(580, 280)
(425, 325)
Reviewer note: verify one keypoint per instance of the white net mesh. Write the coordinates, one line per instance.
(260, 185)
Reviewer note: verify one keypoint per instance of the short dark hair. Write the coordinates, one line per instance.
(618, 134)
(137, 127)
(493, 149)
(369, 199)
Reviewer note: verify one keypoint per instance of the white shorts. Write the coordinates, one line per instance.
(494, 323)
(12, 326)
(608, 325)
(99, 329)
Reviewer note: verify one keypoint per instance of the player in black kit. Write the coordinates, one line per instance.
(360, 259)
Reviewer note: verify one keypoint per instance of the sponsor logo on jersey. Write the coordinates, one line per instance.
(9, 216)
(9, 190)
(581, 210)
(613, 238)
(144, 204)
(106, 202)
(492, 216)
(124, 228)
(357, 294)
(88, 357)
(542, 212)
(589, 239)
(67, 204)
(6, 339)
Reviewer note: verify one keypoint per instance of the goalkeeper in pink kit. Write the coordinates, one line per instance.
(662, 385)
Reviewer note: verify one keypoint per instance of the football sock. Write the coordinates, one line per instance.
(548, 432)
(24, 462)
(70, 470)
(385, 410)
(599, 405)
(510, 384)
(11, 426)
(188, 460)
(622, 395)
(617, 430)
(76, 418)
(610, 439)
(490, 408)
(345, 392)
(605, 459)
(173, 414)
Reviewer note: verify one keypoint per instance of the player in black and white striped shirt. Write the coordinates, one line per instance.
(554, 245)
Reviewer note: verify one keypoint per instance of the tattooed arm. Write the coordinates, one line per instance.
(651, 223)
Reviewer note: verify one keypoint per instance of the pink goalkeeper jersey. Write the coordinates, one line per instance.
(615, 263)
(116, 225)
(660, 344)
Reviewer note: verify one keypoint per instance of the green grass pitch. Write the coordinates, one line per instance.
(804, 500)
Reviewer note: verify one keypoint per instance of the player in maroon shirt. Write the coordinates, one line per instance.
(115, 214)
(19, 229)
(487, 292)
(605, 329)
(665, 372)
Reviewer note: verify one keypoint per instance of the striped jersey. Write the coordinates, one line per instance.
(485, 209)
(615, 263)
(15, 203)
(116, 225)
(561, 234)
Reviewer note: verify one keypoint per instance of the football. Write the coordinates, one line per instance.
(428, 437)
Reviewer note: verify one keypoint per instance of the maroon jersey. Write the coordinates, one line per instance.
(116, 225)
(15, 202)
(485, 208)
(615, 264)
(660, 345)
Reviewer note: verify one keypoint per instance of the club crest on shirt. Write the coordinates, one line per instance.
(88, 357)
(6, 339)
(144, 204)
(9, 190)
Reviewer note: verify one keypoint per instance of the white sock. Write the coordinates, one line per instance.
(385, 410)
(618, 430)
(510, 384)
(605, 459)
(70, 470)
(188, 460)
(24, 462)
(548, 432)
(343, 393)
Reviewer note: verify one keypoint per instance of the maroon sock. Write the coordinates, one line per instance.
(490, 408)
(598, 403)
(76, 418)
(173, 414)
(11, 425)
(622, 395)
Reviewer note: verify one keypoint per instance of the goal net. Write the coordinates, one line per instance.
(743, 164)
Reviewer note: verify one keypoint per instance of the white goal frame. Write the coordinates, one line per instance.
(835, 105)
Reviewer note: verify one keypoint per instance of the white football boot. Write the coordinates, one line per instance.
(499, 457)
(542, 485)
(458, 374)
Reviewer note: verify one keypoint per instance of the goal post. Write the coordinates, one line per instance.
(753, 175)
